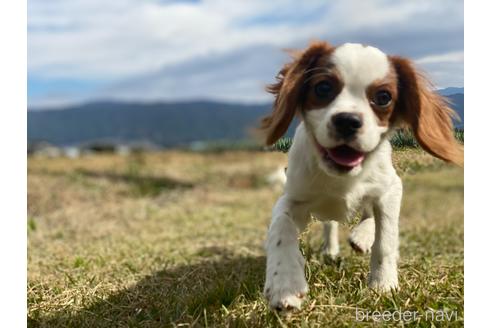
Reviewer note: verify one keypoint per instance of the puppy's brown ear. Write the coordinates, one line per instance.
(427, 113)
(288, 91)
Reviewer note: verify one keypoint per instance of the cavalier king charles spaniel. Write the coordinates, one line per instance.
(349, 99)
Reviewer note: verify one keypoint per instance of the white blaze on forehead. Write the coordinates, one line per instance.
(359, 65)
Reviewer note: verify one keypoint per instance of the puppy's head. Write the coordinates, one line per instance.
(350, 97)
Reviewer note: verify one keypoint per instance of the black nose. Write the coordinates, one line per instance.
(346, 124)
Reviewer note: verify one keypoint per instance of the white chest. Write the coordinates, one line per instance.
(339, 207)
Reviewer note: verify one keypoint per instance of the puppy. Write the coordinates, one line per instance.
(349, 99)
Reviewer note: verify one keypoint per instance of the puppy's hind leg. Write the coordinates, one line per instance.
(330, 246)
(362, 235)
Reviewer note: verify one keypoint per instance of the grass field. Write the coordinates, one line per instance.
(175, 239)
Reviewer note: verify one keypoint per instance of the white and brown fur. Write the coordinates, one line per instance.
(317, 187)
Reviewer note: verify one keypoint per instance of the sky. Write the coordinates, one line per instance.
(223, 50)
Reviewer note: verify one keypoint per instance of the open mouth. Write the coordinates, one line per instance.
(343, 156)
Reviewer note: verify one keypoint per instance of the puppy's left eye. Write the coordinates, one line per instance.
(383, 98)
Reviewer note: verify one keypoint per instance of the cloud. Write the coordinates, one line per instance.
(450, 57)
(237, 76)
(149, 49)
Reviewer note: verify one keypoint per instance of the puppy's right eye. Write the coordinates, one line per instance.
(323, 89)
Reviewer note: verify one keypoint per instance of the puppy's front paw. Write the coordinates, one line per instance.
(362, 236)
(285, 288)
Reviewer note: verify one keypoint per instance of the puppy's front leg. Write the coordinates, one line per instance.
(285, 285)
(384, 258)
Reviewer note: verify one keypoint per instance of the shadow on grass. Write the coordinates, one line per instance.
(182, 294)
(142, 185)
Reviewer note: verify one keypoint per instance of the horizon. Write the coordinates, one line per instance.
(178, 102)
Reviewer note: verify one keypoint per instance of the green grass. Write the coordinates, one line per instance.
(31, 224)
(404, 139)
(190, 253)
(400, 140)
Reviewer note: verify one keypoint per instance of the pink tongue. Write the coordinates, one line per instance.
(346, 156)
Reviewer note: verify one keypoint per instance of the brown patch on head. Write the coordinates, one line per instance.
(388, 84)
(289, 90)
(426, 112)
(323, 74)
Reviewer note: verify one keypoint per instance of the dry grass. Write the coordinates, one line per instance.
(175, 239)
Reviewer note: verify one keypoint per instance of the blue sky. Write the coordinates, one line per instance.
(148, 50)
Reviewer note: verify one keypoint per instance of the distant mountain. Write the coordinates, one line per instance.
(456, 97)
(451, 91)
(457, 103)
(164, 124)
